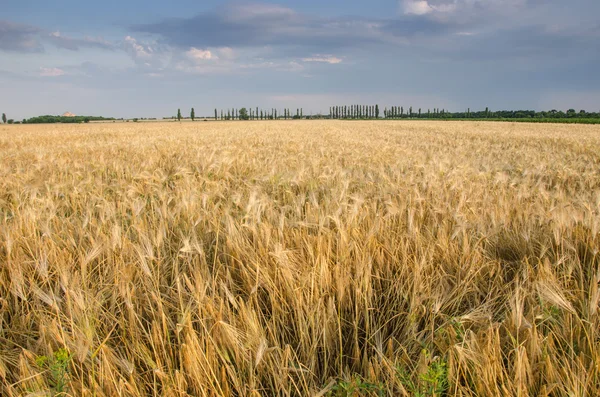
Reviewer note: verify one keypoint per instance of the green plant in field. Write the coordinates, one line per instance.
(57, 368)
(356, 386)
(433, 382)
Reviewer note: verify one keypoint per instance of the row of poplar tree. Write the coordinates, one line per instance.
(335, 112)
(251, 114)
(394, 112)
(372, 112)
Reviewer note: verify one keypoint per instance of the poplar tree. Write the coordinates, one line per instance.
(4, 118)
(192, 115)
(178, 114)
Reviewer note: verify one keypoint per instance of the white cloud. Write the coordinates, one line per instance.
(423, 7)
(226, 53)
(417, 7)
(323, 59)
(136, 49)
(198, 54)
(51, 72)
(145, 55)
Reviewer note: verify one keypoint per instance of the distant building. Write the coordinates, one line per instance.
(68, 114)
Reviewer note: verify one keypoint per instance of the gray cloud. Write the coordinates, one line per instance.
(25, 38)
(428, 28)
(258, 25)
(74, 44)
(18, 37)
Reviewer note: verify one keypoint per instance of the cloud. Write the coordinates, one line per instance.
(74, 44)
(263, 35)
(51, 72)
(463, 11)
(197, 54)
(261, 25)
(18, 37)
(323, 59)
(417, 7)
(146, 55)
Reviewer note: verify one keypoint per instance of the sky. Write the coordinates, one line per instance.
(148, 58)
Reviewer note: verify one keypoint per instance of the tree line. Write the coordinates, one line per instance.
(369, 112)
(350, 112)
(258, 114)
(49, 119)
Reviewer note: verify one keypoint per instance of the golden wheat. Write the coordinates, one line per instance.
(300, 258)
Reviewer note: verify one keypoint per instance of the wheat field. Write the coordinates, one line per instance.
(300, 258)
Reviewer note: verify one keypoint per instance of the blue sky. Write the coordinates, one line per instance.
(148, 58)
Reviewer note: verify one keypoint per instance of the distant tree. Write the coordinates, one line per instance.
(192, 114)
(487, 112)
(216, 115)
(221, 114)
(4, 118)
(419, 112)
(401, 111)
(410, 112)
(243, 114)
(10, 121)
(428, 113)
(228, 114)
(376, 111)
(301, 113)
(178, 114)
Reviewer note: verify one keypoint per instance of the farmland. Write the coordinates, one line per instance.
(300, 258)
